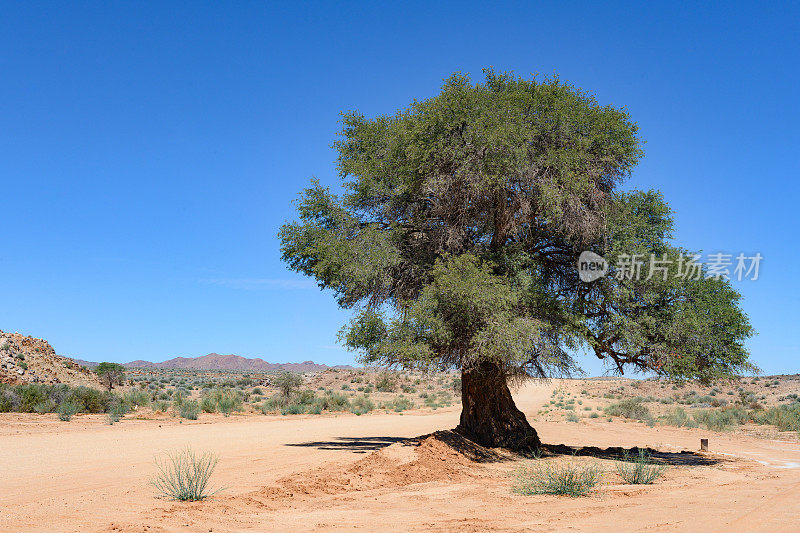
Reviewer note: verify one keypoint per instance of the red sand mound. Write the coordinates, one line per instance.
(397, 465)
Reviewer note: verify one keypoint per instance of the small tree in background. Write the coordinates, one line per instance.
(458, 234)
(287, 383)
(110, 374)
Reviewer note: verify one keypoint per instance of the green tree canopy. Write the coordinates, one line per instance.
(110, 374)
(458, 233)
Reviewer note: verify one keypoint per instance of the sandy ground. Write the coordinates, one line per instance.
(324, 473)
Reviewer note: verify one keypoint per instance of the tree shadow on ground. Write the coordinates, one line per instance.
(481, 454)
(353, 444)
(462, 445)
(682, 458)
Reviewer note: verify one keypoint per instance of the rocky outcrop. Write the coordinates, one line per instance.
(25, 359)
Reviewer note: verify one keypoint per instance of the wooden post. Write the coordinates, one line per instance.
(703, 445)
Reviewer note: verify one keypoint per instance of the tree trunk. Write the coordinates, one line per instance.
(489, 415)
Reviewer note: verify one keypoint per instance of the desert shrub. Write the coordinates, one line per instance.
(8, 400)
(160, 405)
(386, 383)
(66, 410)
(549, 478)
(287, 382)
(572, 417)
(115, 413)
(257, 391)
(678, 418)
(399, 404)
(184, 475)
(639, 469)
(294, 409)
(225, 400)
(631, 408)
(784, 417)
(178, 397)
(90, 400)
(721, 420)
(274, 403)
(305, 397)
(45, 406)
(136, 398)
(333, 401)
(361, 405)
(208, 404)
(30, 396)
(189, 409)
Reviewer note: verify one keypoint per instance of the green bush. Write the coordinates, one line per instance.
(275, 403)
(784, 417)
(333, 401)
(287, 382)
(305, 397)
(30, 396)
(189, 409)
(399, 404)
(678, 418)
(227, 401)
(136, 398)
(208, 404)
(294, 409)
(45, 406)
(548, 478)
(361, 405)
(723, 419)
(386, 383)
(639, 469)
(160, 405)
(631, 408)
(90, 400)
(66, 411)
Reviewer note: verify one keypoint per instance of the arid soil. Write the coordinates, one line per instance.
(334, 472)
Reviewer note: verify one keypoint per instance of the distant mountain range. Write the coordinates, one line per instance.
(215, 361)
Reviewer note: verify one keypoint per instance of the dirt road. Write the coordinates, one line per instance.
(86, 475)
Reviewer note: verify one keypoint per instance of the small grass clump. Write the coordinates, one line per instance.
(560, 479)
(184, 475)
(639, 469)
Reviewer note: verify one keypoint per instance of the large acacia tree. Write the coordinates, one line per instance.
(457, 236)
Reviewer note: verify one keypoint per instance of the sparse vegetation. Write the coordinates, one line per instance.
(639, 469)
(184, 475)
(569, 479)
(630, 408)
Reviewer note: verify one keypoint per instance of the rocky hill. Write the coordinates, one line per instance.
(215, 361)
(30, 360)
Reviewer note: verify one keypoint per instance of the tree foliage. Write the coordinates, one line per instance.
(462, 218)
(110, 374)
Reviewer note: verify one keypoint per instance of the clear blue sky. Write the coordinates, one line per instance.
(149, 151)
